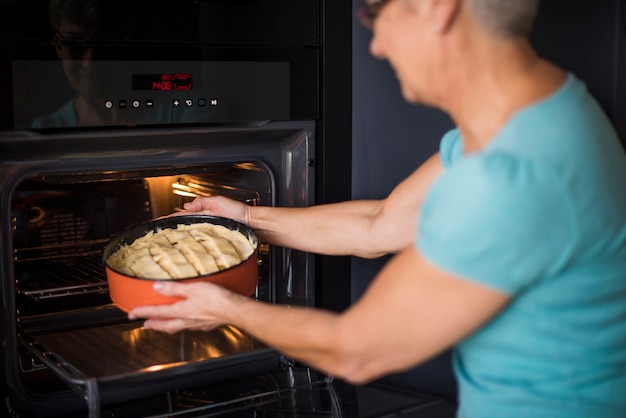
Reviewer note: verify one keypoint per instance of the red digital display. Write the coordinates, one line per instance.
(162, 82)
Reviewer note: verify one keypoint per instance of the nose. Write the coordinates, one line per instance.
(375, 47)
(87, 54)
(86, 58)
(85, 61)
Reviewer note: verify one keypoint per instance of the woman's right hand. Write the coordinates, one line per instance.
(219, 206)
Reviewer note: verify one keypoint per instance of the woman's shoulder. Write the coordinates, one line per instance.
(503, 170)
(61, 118)
(497, 206)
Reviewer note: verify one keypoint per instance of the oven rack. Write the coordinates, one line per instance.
(188, 188)
(54, 277)
(133, 362)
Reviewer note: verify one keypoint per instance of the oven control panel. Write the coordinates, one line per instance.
(79, 93)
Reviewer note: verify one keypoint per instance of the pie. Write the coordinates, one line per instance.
(182, 252)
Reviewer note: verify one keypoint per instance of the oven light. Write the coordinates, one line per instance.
(158, 367)
(232, 334)
(184, 194)
(193, 185)
(155, 368)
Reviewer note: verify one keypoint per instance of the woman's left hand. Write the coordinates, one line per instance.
(201, 308)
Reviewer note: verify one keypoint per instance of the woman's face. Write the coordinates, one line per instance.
(72, 43)
(400, 36)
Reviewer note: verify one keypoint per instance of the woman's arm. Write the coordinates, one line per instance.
(366, 228)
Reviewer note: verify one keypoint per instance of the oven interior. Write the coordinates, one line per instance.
(71, 346)
(59, 228)
(65, 316)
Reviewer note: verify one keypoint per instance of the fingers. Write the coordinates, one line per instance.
(218, 206)
(196, 205)
(189, 294)
(170, 326)
(185, 290)
(197, 309)
(154, 311)
(172, 288)
(167, 288)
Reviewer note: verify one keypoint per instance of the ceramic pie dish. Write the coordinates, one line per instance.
(128, 291)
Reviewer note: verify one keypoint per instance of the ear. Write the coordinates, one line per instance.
(442, 14)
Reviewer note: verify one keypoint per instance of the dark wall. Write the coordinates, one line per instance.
(391, 138)
(589, 39)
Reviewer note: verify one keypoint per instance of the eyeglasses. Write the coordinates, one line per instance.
(75, 47)
(367, 13)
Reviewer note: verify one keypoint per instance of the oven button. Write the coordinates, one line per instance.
(108, 104)
(122, 104)
(136, 104)
(149, 103)
(176, 103)
(188, 102)
(201, 102)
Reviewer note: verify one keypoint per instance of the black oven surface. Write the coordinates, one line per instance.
(292, 392)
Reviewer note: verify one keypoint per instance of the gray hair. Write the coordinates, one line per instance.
(505, 18)
(80, 12)
(109, 17)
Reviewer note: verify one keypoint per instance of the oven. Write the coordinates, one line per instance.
(68, 198)
(120, 112)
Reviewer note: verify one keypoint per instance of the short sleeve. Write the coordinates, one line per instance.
(450, 147)
(498, 220)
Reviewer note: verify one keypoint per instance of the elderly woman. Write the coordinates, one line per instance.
(511, 241)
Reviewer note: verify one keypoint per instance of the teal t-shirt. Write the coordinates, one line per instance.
(540, 214)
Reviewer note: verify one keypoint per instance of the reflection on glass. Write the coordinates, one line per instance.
(77, 26)
(90, 38)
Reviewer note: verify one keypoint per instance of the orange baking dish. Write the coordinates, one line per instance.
(128, 292)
